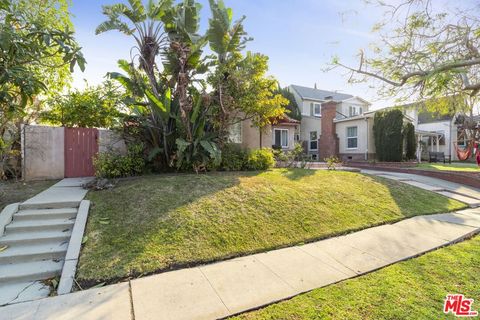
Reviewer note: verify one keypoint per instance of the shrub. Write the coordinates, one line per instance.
(410, 141)
(260, 159)
(234, 158)
(289, 158)
(387, 131)
(332, 162)
(115, 165)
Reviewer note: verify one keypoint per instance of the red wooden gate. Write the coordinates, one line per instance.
(81, 145)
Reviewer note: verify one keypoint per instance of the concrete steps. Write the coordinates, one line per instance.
(34, 237)
(37, 252)
(34, 247)
(41, 214)
(30, 271)
(39, 225)
(22, 291)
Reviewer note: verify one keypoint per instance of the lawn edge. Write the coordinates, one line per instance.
(89, 283)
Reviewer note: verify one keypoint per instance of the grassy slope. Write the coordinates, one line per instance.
(413, 289)
(11, 191)
(467, 167)
(159, 222)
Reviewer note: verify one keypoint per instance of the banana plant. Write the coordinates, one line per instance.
(201, 150)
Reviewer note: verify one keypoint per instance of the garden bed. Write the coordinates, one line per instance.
(156, 223)
(414, 289)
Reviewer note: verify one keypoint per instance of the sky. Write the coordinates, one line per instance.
(299, 36)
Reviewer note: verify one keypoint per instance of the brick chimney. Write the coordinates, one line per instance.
(328, 141)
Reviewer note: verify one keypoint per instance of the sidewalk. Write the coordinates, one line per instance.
(229, 287)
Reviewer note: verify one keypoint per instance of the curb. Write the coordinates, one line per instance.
(73, 251)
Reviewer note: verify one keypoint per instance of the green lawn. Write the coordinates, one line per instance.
(413, 289)
(156, 223)
(18, 191)
(468, 167)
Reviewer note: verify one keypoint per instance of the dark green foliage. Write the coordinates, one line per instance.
(410, 141)
(234, 158)
(387, 131)
(260, 159)
(116, 165)
(292, 107)
(93, 107)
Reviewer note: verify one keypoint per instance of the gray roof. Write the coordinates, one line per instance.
(321, 95)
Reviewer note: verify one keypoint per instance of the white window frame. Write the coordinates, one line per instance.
(352, 137)
(274, 135)
(315, 113)
(310, 140)
(231, 137)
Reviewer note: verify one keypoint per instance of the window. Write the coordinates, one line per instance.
(354, 111)
(235, 133)
(317, 109)
(352, 137)
(311, 108)
(280, 138)
(313, 145)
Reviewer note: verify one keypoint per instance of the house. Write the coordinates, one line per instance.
(334, 123)
(281, 134)
(440, 133)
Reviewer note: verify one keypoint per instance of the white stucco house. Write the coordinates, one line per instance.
(351, 119)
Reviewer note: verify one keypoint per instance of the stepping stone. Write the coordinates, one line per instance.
(343, 257)
(244, 283)
(424, 186)
(470, 201)
(299, 269)
(437, 226)
(391, 244)
(184, 294)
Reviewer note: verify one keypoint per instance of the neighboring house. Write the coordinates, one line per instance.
(346, 129)
(281, 134)
(435, 132)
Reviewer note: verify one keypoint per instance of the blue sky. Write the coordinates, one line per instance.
(299, 36)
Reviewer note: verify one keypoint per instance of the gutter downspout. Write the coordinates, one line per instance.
(366, 150)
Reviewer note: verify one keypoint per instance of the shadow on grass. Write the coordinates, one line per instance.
(297, 174)
(419, 202)
(159, 223)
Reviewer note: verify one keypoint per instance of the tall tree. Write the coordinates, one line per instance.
(36, 54)
(426, 52)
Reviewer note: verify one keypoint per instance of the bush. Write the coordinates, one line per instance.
(387, 131)
(115, 165)
(332, 162)
(260, 159)
(410, 141)
(234, 158)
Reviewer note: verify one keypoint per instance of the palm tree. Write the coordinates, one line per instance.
(144, 24)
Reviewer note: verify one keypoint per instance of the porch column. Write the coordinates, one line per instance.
(438, 143)
(419, 148)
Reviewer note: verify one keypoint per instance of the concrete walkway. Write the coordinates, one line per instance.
(36, 239)
(466, 194)
(226, 288)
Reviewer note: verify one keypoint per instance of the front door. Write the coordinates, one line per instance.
(81, 145)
